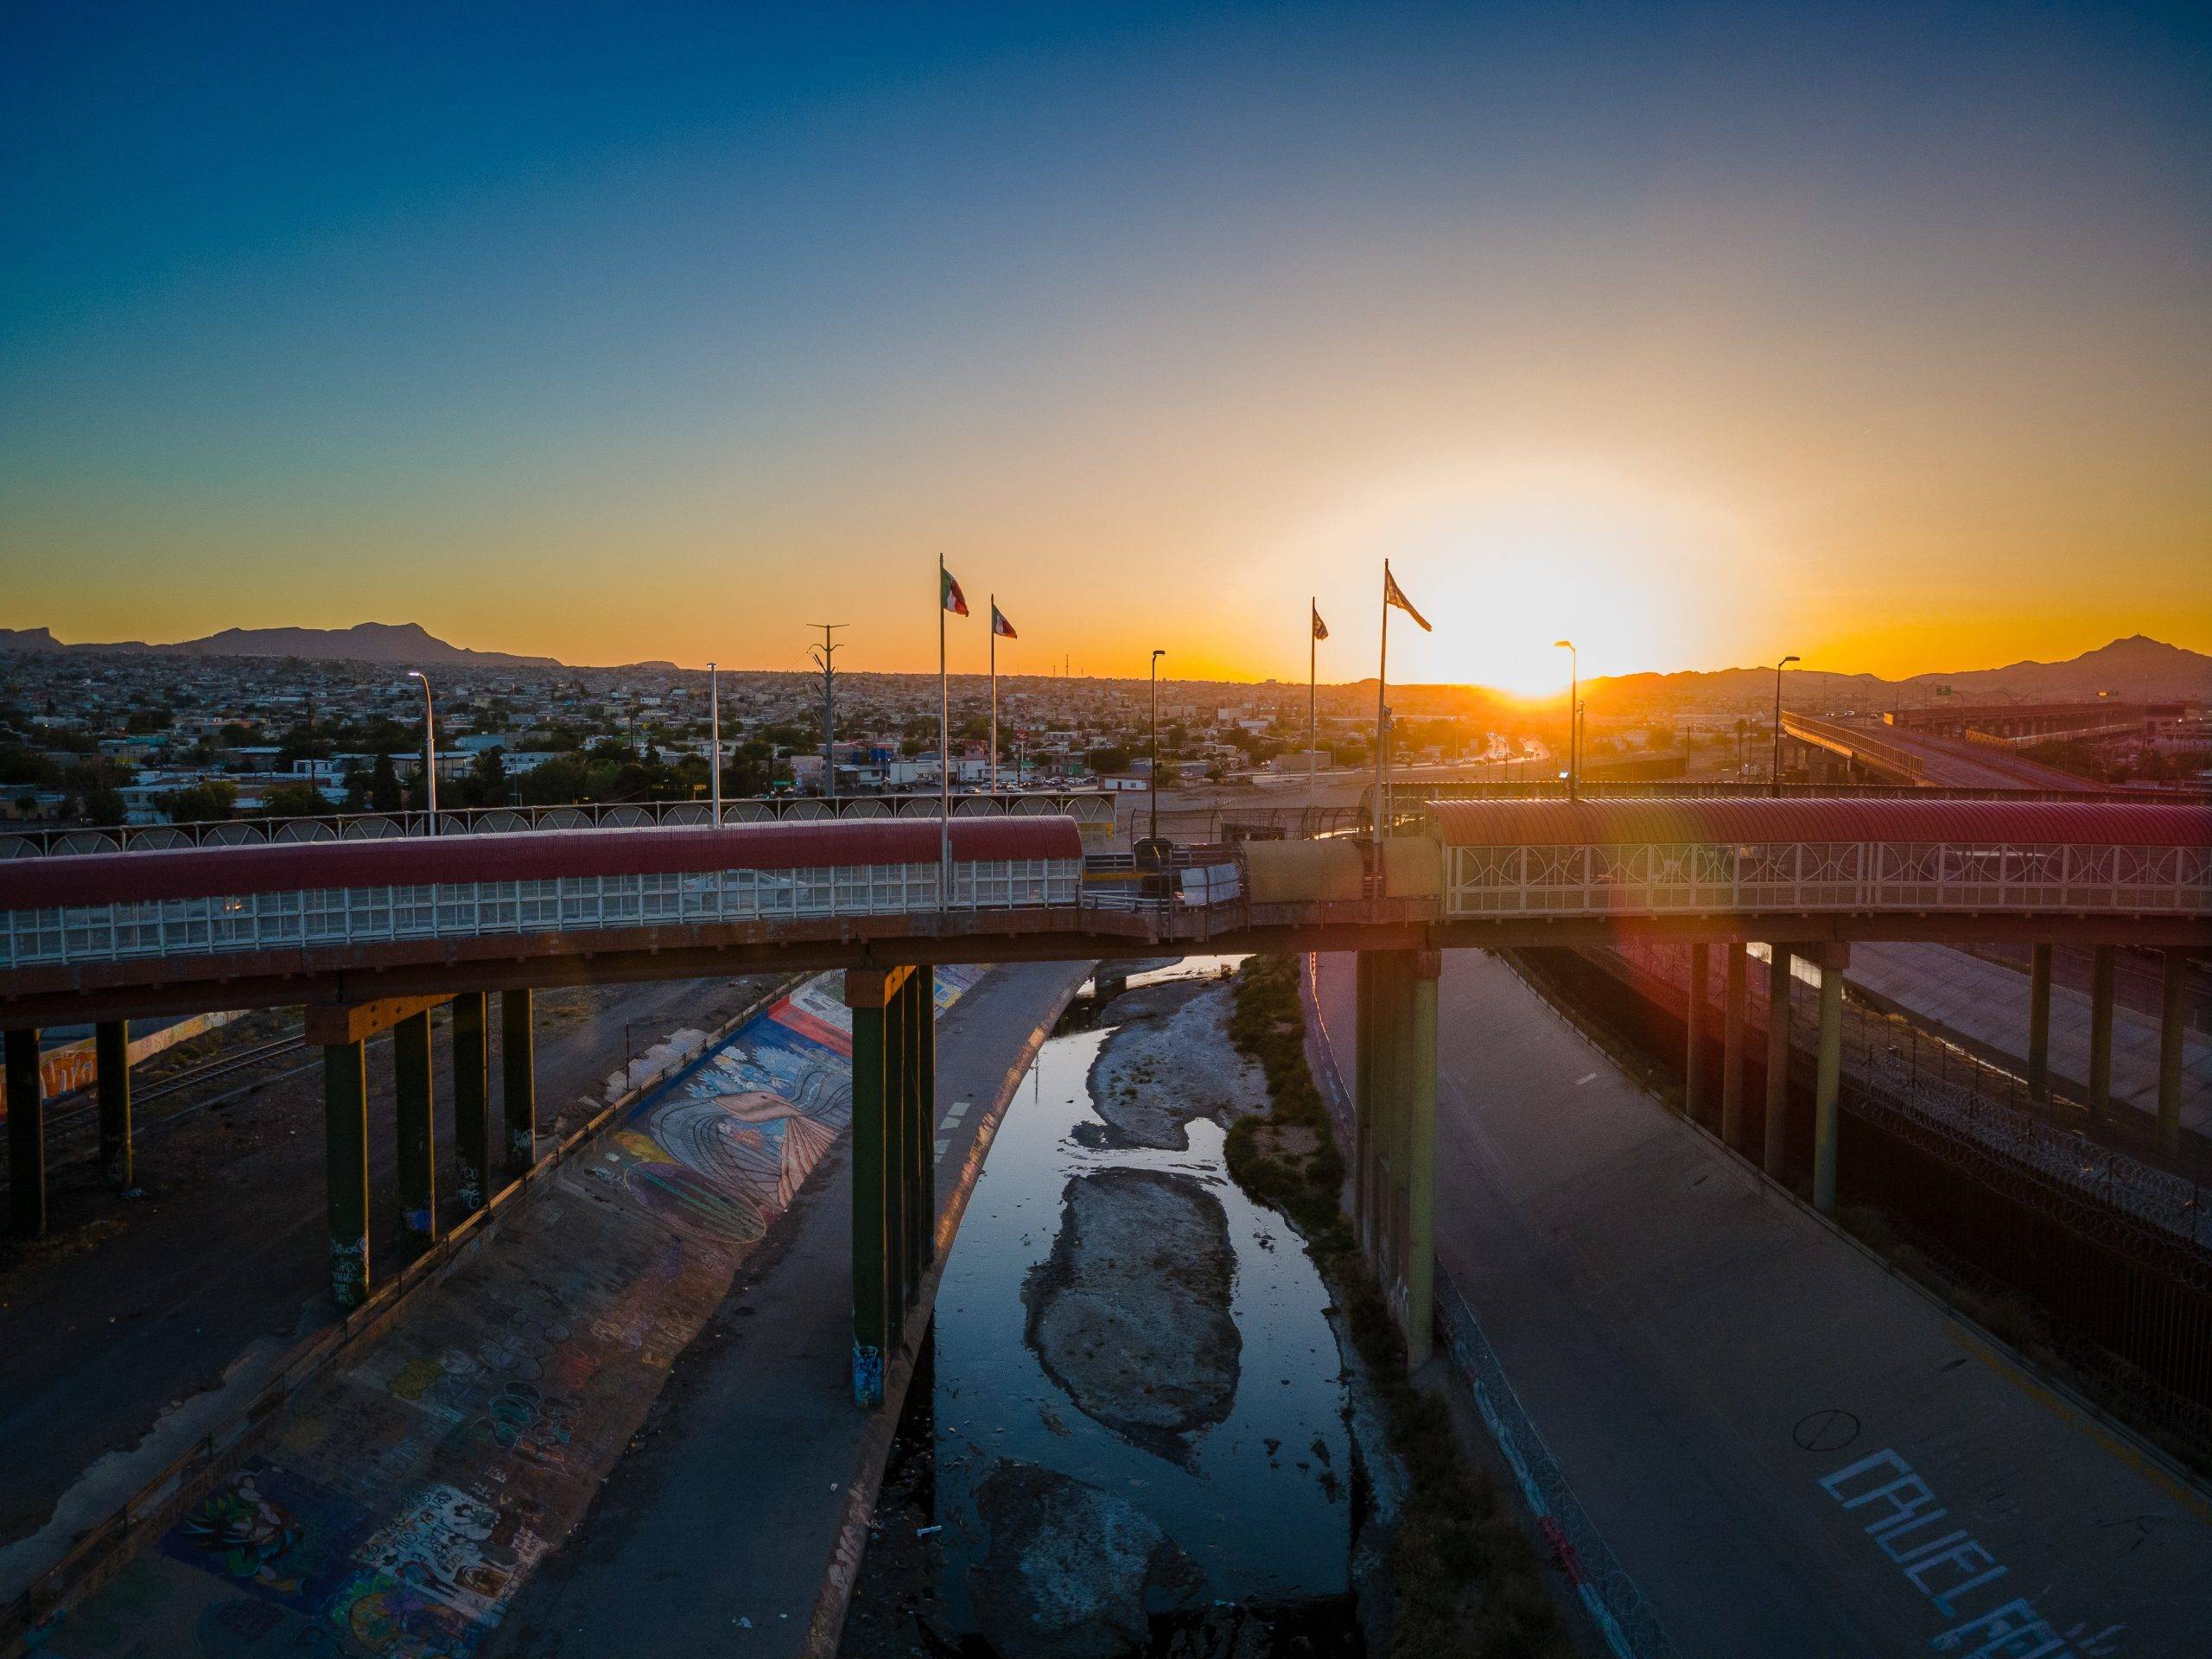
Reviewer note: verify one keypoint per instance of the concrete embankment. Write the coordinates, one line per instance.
(406, 1497)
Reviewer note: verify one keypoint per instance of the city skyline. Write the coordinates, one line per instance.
(1698, 336)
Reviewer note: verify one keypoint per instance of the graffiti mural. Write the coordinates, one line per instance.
(406, 1498)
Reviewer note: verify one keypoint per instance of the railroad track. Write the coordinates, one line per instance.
(214, 1070)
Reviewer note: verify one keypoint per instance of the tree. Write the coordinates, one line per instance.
(300, 799)
(384, 785)
(200, 803)
(487, 778)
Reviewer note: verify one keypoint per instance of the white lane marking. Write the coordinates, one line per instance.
(959, 1110)
(1587, 1076)
(941, 1146)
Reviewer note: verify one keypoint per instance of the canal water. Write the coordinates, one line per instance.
(1261, 1501)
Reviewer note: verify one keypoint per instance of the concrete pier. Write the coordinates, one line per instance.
(1731, 1049)
(1778, 1060)
(418, 1136)
(345, 1162)
(518, 1080)
(472, 1088)
(1828, 1078)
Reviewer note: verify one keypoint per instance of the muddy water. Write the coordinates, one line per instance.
(1258, 1500)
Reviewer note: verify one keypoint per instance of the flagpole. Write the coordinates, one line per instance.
(1312, 670)
(994, 695)
(944, 754)
(1381, 730)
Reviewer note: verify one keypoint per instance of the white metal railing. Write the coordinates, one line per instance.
(1849, 876)
(284, 921)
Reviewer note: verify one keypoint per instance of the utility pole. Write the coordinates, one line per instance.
(825, 656)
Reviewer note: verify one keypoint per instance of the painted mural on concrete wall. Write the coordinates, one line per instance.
(400, 1507)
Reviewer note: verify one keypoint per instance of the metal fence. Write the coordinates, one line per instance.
(1092, 809)
(1699, 877)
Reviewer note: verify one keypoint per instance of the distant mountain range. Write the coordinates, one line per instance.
(407, 643)
(2133, 668)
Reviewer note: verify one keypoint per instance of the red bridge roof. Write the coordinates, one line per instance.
(1649, 821)
(526, 855)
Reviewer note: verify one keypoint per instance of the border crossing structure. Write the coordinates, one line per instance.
(370, 932)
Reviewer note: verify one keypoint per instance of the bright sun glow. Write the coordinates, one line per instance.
(1505, 565)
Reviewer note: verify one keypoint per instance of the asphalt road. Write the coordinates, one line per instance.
(131, 1305)
(1701, 1355)
(717, 1527)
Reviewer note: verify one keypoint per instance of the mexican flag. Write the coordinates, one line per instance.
(1000, 625)
(955, 600)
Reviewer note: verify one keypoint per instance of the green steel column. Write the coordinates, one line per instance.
(111, 1058)
(518, 1080)
(346, 1169)
(924, 984)
(1830, 1079)
(1363, 1102)
(1732, 1050)
(899, 1151)
(26, 1136)
(2039, 1023)
(419, 1134)
(471, 1087)
(1777, 1060)
(2100, 979)
(872, 1288)
(1423, 968)
(2173, 996)
(1694, 1100)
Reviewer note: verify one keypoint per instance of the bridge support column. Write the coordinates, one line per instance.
(1828, 1078)
(2039, 1024)
(2173, 996)
(346, 1168)
(898, 1148)
(471, 1088)
(26, 1135)
(1397, 1126)
(879, 1297)
(921, 987)
(111, 1061)
(1777, 1060)
(1732, 1050)
(418, 1136)
(1363, 1103)
(518, 1081)
(1694, 1082)
(2100, 989)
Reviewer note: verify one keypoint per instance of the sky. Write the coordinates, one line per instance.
(1698, 334)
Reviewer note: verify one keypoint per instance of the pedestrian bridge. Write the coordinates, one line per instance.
(98, 934)
(368, 935)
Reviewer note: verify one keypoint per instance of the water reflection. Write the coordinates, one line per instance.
(1261, 1503)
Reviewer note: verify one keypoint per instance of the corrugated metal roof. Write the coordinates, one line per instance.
(1663, 820)
(528, 855)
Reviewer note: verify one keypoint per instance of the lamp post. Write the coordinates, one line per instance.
(1573, 713)
(1775, 766)
(714, 737)
(1154, 780)
(429, 744)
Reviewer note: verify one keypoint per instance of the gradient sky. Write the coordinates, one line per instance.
(1700, 333)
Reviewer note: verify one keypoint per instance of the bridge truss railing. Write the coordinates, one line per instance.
(1859, 877)
(310, 920)
(1093, 808)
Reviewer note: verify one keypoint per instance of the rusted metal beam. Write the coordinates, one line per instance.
(330, 1024)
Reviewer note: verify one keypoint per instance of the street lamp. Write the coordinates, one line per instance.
(1156, 656)
(429, 744)
(1775, 766)
(1573, 713)
(714, 737)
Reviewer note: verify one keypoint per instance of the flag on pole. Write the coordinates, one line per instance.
(1394, 595)
(1320, 628)
(1000, 625)
(957, 603)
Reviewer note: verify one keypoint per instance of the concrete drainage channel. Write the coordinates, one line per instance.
(96, 1556)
